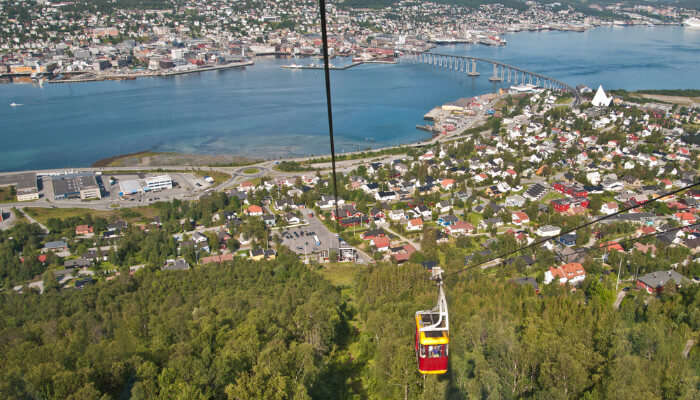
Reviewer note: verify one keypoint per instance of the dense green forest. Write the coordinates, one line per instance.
(281, 331)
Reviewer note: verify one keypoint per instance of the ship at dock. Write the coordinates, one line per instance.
(693, 23)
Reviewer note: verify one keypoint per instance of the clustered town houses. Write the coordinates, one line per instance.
(525, 175)
(69, 38)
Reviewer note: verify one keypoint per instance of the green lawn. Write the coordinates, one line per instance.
(7, 194)
(251, 170)
(219, 177)
(130, 214)
(474, 218)
(552, 195)
(339, 274)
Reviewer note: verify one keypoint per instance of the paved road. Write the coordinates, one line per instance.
(32, 220)
(618, 301)
(405, 239)
(688, 346)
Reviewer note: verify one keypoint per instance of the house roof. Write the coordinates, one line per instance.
(415, 221)
(381, 242)
(659, 278)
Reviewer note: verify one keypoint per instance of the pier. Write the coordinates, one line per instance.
(502, 72)
(334, 68)
(148, 74)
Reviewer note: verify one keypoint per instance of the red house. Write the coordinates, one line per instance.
(83, 230)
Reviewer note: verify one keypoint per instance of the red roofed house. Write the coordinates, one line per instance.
(402, 254)
(83, 230)
(685, 218)
(381, 243)
(447, 184)
(572, 273)
(610, 246)
(254, 211)
(415, 224)
(519, 218)
(459, 228)
(246, 186)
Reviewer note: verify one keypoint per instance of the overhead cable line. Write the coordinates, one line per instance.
(589, 223)
(327, 73)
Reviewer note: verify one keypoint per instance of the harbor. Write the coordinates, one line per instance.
(337, 68)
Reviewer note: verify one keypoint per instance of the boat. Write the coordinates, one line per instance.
(693, 23)
(292, 66)
(13, 104)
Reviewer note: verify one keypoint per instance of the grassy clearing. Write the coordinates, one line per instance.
(219, 177)
(552, 195)
(339, 274)
(251, 170)
(135, 214)
(7, 194)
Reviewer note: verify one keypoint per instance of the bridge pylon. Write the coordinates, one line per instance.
(495, 77)
(472, 71)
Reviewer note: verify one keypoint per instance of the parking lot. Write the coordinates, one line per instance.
(301, 239)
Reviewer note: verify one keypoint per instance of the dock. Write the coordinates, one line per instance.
(334, 68)
(121, 77)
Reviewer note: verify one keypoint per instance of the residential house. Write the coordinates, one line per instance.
(396, 215)
(55, 246)
(573, 273)
(381, 243)
(447, 220)
(176, 265)
(447, 184)
(547, 231)
(515, 200)
(84, 230)
(415, 224)
(654, 282)
(254, 211)
(520, 218)
(609, 208)
(269, 219)
(460, 228)
(385, 196)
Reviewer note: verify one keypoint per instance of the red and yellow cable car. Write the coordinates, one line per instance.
(432, 333)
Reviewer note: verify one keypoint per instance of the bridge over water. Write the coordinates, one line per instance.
(502, 72)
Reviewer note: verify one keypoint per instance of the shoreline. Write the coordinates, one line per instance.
(109, 162)
(92, 77)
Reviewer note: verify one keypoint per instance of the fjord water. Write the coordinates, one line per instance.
(264, 111)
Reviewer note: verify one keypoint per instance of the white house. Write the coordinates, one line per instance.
(609, 208)
(396, 215)
(515, 200)
(415, 224)
(573, 273)
(547, 231)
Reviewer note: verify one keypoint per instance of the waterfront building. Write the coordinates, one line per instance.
(81, 185)
(159, 182)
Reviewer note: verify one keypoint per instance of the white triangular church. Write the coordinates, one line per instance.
(601, 99)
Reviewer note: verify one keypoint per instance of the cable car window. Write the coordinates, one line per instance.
(435, 351)
(422, 351)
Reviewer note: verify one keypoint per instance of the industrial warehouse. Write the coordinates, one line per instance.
(25, 185)
(149, 184)
(82, 185)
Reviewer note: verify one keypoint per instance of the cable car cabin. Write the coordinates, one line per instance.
(433, 333)
(431, 345)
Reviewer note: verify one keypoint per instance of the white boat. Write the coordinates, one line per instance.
(13, 104)
(692, 23)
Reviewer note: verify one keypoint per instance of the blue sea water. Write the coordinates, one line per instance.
(264, 111)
